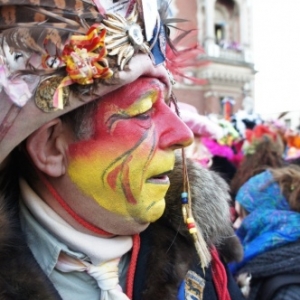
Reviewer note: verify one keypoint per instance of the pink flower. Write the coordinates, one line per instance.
(15, 87)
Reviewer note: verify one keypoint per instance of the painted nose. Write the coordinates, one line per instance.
(175, 133)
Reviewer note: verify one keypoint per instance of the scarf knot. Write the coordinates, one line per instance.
(106, 274)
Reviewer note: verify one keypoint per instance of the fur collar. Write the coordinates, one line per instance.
(210, 204)
(173, 253)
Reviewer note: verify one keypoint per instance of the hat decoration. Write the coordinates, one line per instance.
(70, 45)
(179, 59)
(12, 86)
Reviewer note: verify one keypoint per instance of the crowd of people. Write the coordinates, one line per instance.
(110, 188)
(260, 162)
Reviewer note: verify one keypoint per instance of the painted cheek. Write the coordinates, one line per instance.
(109, 176)
(87, 174)
(136, 167)
(151, 204)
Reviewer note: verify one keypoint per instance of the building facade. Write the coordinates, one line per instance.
(224, 31)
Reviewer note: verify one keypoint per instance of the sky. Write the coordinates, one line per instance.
(276, 45)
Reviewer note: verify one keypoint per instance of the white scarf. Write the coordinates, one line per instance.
(104, 253)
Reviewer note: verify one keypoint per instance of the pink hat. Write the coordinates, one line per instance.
(199, 124)
(57, 56)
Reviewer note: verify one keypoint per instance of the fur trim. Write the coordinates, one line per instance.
(210, 204)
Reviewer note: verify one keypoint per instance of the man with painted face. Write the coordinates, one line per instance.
(87, 142)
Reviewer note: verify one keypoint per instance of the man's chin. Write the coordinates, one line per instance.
(138, 223)
(153, 213)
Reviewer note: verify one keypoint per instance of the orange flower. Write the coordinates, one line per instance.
(85, 56)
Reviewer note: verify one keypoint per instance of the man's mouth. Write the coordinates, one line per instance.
(162, 178)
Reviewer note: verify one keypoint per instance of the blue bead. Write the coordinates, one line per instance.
(184, 195)
(184, 200)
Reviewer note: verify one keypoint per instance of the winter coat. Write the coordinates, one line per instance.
(282, 260)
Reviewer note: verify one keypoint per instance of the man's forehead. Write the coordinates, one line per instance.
(135, 92)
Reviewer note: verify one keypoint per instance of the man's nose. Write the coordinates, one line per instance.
(174, 134)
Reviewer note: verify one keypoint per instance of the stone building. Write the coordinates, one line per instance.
(224, 31)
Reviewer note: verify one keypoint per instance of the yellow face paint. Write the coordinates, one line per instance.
(120, 185)
(123, 166)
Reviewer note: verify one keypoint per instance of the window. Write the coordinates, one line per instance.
(219, 33)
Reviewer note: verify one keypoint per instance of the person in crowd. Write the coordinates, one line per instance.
(262, 149)
(202, 127)
(205, 149)
(87, 145)
(222, 150)
(268, 227)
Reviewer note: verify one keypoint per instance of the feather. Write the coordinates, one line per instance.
(54, 15)
(174, 20)
(70, 15)
(168, 22)
(33, 38)
(283, 114)
(178, 61)
(45, 27)
(66, 5)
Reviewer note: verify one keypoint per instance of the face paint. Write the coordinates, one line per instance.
(123, 166)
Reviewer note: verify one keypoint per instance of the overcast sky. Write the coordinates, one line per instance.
(276, 38)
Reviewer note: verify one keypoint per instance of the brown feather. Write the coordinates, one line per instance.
(71, 15)
(28, 28)
(66, 5)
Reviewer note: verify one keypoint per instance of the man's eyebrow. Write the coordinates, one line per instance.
(142, 103)
(165, 91)
(145, 95)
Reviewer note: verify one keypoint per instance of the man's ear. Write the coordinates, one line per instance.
(47, 148)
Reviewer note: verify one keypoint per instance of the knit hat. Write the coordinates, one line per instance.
(58, 55)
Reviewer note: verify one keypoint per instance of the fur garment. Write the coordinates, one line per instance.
(173, 252)
(210, 205)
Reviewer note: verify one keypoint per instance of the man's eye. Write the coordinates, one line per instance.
(144, 116)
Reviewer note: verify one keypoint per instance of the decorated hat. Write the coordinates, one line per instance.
(58, 55)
